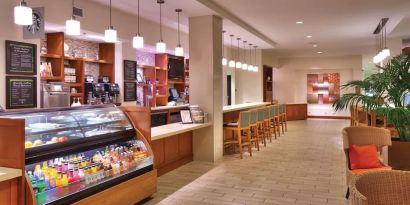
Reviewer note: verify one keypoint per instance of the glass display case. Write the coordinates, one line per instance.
(73, 153)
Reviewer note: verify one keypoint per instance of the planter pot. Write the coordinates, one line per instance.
(399, 155)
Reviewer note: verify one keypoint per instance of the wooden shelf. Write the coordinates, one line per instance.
(161, 96)
(89, 60)
(146, 66)
(142, 84)
(76, 94)
(75, 84)
(72, 58)
(175, 82)
(162, 69)
(160, 85)
(54, 78)
(50, 56)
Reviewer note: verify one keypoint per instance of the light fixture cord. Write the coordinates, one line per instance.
(138, 19)
(385, 36)
(223, 45)
(72, 8)
(244, 50)
(160, 21)
(231, 46)
(250, 53)
(179, 38)
(110, 15)
(238, 54)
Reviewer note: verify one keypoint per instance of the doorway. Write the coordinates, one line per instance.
(229, 89)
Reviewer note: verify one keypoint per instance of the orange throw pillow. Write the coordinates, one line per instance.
(364, 157)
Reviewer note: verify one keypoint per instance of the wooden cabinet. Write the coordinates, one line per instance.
(267, 84)
(296, 112)
(9, 192)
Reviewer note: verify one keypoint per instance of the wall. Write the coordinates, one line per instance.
(290, 79)
(95, 20)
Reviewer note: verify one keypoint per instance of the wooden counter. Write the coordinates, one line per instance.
(296, 112)
(163, 108)
(244, 106)
(9, 173)
(172, 145)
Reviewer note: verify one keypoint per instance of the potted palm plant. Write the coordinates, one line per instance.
(385, 93)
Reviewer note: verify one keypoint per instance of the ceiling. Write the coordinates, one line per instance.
(338, 27)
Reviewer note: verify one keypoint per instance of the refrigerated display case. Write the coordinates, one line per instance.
(74, 153)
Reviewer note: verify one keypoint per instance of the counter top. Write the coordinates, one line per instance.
(9, 173)
(243, 106)
(168, 107)
(174, 129)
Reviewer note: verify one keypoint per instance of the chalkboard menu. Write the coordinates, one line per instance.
(130, 91)
(130, 70)
(21, 58)
(21, 92)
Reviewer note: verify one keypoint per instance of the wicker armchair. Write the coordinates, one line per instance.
(381, 188)
(365, 136)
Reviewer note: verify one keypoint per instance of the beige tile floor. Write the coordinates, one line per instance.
(304, 166)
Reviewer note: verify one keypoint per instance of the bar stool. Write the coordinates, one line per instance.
(261, 127)
(273, 125)
(282, 117)
(253, 125)
(276, 119)
(285, 117)
(266, 124)
(242, 130)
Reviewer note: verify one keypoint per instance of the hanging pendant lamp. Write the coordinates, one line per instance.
(138, 40)
(110, 33)
(179, 50)
(244, 64)
(255, 67)
(23, 15)
(232, 61)
(238, 62)
(250, 66)
(224, 60)
(72, 26)
(161, 46)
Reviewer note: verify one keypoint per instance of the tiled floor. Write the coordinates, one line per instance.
(305, 166)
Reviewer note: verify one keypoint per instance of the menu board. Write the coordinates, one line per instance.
(21, 92)
(130, 70)
(21, 58)
(130, 91)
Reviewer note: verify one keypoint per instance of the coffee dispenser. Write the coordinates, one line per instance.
(112, 91)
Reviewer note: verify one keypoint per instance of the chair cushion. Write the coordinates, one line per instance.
(364, 157)
(361, 171)
(231, 124)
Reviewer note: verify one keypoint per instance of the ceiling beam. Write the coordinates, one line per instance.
(211, 4)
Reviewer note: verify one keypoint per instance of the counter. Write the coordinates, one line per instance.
(172, 145)
(244, 106)
(162, 108)
(174, 129)
(9, 173)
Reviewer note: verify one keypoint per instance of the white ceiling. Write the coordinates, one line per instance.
(339, 27)
(149, 9)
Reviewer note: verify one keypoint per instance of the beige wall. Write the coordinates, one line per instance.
(290, 78)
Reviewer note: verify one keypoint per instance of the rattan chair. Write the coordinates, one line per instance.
(364, 136)
(381, 188)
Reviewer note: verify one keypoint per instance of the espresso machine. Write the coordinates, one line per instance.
(112, 93)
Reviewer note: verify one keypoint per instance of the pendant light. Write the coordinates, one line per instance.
(385, 51)
(255, 67)
(110, 33)
(224, 60)
(161, 46)
(244, 64)
(72, 26)
(232, 61)
(23, 15)
(138, 40)
(238, 62)
(179, 50)
(250, 66)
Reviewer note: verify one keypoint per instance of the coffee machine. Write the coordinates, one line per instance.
(112, 93)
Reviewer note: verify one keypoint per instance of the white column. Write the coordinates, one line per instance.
(205, 52)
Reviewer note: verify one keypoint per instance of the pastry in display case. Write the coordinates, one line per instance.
(74, 153)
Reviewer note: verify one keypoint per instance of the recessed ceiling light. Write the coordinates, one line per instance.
(299, 22)
(309, 36)
(315, 45)
(319, 52)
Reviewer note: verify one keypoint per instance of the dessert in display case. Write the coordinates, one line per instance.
(75, 153)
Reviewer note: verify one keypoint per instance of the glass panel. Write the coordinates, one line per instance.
(102, 121)
(65, 176)
(48, 128)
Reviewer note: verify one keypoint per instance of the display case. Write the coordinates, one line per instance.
(74, 153)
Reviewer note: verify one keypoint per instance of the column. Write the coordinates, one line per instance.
(205, 55)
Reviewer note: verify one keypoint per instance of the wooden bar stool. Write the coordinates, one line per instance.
(266, 124)
(276, 119)
(284, 118)
(241, 133)
(273, 125)
(261, 127)
(253, 124)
